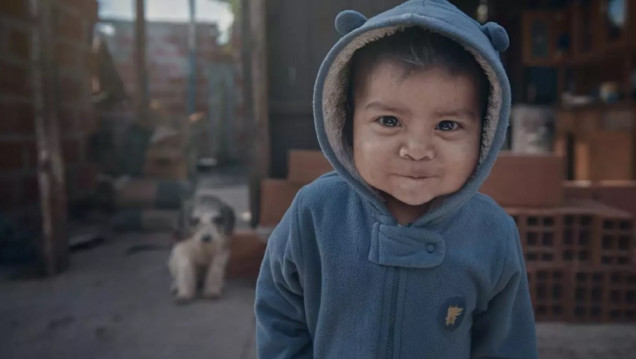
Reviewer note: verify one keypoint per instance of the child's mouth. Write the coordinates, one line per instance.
(416, 177)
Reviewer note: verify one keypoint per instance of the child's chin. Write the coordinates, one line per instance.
(415, 201)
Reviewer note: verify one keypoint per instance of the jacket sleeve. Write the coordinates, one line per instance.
(506, 329)
(281, 329)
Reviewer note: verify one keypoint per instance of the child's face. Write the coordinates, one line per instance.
(416, 137)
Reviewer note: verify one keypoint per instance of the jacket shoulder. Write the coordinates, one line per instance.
(491, 213)
(324, 189)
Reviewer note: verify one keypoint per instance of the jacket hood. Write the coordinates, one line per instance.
(484, 42)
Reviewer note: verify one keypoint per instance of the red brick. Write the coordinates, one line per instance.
(620, 296)
(16, 118)
(66, 55)
(580, 238)
(87, 7)
(71, 151)
(70, 179)
(8, 194)
(581, 233)
(25, 116)
(70, 89)
(167, 170)
(305, 166)
(7, 124)
(597, 236)
(66, 120)
(611, 155)
(11, 156)
(619, 194)
(88, 121)
(18, 43)
(30, 151)
(276, 196)
(14, 80)
(90, 61)
(540, 177)
(540, 234)
(248, 249)
(137, 193)
(70, 26)
(30, 190)
(617, 242)
(16, 9)
(31, 219)
(86, 177)
(578, 190)
(589, 295)
(551, 293)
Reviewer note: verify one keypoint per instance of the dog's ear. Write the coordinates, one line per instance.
(229, 218)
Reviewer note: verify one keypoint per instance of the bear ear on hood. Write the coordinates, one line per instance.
(497, 35)
(349, 20)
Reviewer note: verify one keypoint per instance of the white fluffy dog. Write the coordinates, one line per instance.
(199, 259)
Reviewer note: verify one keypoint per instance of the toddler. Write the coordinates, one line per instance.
(395, 254)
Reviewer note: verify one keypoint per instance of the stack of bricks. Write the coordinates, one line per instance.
(616, 193)
(248, 247)
(277, 194)
(579, 244)
(579, 250)
(572, 253)
(73, 21)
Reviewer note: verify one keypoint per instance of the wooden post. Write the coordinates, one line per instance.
(192, 59)
(43, 71)
(260, 164)
(140, 62)
(629, 92)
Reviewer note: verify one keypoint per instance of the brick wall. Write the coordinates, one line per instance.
(73, 23)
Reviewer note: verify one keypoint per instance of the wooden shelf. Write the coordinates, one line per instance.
(615, 51)
(550, 25)
(621, 105)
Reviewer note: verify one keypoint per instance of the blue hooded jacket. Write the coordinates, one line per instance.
(341, 278)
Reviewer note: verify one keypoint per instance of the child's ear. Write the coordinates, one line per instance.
(497, 35)
(348, 21)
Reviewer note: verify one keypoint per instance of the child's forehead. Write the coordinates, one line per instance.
(393, 72)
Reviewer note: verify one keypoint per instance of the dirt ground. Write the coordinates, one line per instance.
(115, 303)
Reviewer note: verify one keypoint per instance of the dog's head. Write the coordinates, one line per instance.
(208, 219)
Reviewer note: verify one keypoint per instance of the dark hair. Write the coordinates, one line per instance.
(416, 49)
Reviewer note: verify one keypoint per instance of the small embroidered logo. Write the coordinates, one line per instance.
(452, 312)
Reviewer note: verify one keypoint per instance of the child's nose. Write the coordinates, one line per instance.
(417, 149)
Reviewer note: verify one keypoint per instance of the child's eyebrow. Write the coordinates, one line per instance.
(381, 106)
(456, 113)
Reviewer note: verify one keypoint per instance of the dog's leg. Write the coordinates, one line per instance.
(215, 276)
(184, 275)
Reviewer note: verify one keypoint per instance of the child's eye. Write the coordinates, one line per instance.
(389, 121)
(447, 126)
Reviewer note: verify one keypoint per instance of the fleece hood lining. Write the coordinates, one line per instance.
(334, 97)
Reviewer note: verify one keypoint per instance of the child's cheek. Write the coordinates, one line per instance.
(367, 159)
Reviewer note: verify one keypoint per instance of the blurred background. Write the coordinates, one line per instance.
(112, 112)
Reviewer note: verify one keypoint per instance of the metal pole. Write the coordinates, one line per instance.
(43, 71)
(140, 61)
(192, 70)
(261, 156)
